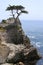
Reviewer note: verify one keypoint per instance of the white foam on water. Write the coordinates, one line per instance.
(33, 43)
(31, 36)
(37, 44)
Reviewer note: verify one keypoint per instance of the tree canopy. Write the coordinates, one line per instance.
(18, 8)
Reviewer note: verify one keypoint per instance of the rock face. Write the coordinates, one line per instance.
(15, 45)
(3, 53)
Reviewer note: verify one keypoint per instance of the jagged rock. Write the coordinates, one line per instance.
(14, 50)
(29, 55)
(18, 53)
(16, 45)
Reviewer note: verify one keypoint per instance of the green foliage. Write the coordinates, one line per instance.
(17, 27)
(18, 8)
(10, 7)
(3, 21)
(2, 29)
(23, 11)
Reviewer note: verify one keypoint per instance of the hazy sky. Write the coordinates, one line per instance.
(34, 7)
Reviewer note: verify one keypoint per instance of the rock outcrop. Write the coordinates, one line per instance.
(15, 45)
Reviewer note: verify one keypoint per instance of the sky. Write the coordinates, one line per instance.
(34, 7)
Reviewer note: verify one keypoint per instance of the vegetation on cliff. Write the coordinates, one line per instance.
(18, 10)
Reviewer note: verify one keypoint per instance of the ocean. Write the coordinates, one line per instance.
(34, 30)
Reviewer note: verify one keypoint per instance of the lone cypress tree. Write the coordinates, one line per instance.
(18, 8)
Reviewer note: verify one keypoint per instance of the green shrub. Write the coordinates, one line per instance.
(3, 21)
(2, 29)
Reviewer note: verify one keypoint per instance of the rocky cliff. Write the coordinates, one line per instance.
(15, 45)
